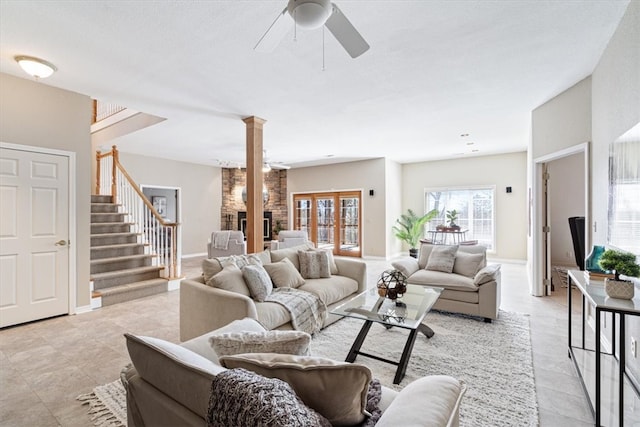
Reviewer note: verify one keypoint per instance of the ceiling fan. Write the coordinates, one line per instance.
(313, 14)
(267, 165)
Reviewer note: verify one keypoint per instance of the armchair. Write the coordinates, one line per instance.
(225, 243)
(290, 238)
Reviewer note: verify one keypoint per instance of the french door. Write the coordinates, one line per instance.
(332, 220)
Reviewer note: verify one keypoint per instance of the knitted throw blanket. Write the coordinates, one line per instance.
(243, 398)
(307, 311)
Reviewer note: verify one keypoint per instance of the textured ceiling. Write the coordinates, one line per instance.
(435, 70)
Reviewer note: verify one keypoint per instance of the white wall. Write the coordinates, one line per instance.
(32, 113)
(499, 170)
(201, 191)
(566, 198)
(393, 206)
(363, 175)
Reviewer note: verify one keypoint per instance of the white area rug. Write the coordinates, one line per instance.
(494, 359)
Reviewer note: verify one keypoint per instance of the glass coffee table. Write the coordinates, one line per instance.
(406, 312)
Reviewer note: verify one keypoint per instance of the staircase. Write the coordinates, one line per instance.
(120, 268)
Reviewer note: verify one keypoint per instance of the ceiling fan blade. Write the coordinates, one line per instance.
(279, 166)
(346, 33)
(276, 32)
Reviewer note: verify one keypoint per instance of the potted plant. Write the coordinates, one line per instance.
(409, 228)
(619, 263)
(277, 228)
(452, 217)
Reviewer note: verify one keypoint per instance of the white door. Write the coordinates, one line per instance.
(34, 236)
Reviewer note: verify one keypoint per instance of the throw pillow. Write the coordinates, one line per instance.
(442, 258)
(284, 274)
(282, 342)
(337, 390)
(230, 279)
(243, 398)
(210, 267)
(425, 251)
(258, 281)
(332, 261)
(487, 274)
(467, 264)
(314, 264)
(290, 253)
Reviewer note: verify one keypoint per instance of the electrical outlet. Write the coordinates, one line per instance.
(634, 349)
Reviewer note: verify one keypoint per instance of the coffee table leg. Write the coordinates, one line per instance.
(406, 354)
(353, 353)
(427, 331)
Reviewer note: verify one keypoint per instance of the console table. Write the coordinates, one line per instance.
(457, 236)
(592, 291)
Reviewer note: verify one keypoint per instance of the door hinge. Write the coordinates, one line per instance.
(546, 229)
(546, 282)
(546, 176)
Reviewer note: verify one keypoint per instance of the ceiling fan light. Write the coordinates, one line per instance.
(266, 167)
(310, 14)
(36, 67)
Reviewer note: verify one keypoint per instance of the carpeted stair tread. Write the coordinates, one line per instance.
(130, 287)
(120, 258)
(116, 246)
(131, 291)
(125, 272)
(111, 223)
(123, 233)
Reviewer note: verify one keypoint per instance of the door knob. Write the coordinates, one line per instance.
(61, 243)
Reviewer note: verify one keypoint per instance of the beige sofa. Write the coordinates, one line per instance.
(472, 287)
(204, 308)
(170, 385)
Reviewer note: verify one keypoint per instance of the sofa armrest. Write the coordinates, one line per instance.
(234, 247)
(406, 266)
(429, 401)
(204, 308)
(354, 269)
(487, 274)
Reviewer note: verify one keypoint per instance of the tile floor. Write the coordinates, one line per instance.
(44, 365)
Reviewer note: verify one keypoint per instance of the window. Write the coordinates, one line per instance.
(475, 207)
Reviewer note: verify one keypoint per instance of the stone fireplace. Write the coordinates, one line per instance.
(233, 207)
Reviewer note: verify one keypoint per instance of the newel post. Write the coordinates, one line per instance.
(98, 172)
(114, 186)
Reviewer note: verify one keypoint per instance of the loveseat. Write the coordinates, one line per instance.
(204, 308)
(171, 385)
(471, 286)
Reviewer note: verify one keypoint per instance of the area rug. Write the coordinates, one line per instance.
(494, 359)
(107, 405)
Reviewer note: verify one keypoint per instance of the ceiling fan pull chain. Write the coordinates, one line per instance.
(323, 48)
(295, 27)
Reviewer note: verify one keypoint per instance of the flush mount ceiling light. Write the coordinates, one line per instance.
(266, 167)
(36, 67)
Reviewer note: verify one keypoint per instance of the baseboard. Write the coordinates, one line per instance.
(194, 255)
(507, 260)
(83, 309)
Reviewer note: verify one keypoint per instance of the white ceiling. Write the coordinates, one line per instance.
(435, 70)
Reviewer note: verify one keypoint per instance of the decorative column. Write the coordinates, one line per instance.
(255, 208)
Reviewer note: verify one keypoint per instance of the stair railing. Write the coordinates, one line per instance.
(159, 234)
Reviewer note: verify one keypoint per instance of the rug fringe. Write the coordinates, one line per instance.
(100, 414)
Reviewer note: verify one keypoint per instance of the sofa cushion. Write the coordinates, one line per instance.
(460, 296)
(282, 342)
(337, 390)
(445, 280)
(201, 345)
(443, 393)
(258, 281)
(467, 264)
(230, 279)
(475, 249)
(244, 398)
(425, 251)
(174, 370)
(272, 315)
(290, 253)
(284, 274)
(331, 290)
(442, 258)
(487, 274)
(314, 264)
(406, 266)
